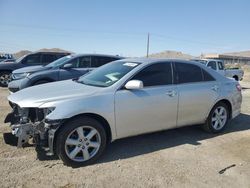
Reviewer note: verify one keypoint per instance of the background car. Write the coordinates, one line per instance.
(75, 119)
(37, 58)
(8, 61)
(67, 67)
(219, 66)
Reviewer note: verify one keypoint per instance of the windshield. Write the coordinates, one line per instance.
(108, 74)
(20, 59)
(59, 62)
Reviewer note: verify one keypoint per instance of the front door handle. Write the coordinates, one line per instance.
(171, 93)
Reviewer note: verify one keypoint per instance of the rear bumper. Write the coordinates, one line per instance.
(236, 104)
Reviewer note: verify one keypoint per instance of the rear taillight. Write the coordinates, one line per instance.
(238, 87)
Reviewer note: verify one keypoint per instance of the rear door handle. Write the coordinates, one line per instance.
(215, 88)
(171, 93)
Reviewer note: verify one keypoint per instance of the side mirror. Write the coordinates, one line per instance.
(134, 84)
(67, 66)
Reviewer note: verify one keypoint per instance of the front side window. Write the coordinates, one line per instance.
(108, 74)
(32, 59)
(98, 61)
(84, 62)
(188, 73)
(212, 64)
(155, 75)
(59, 62)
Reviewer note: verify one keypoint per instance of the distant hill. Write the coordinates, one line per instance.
(171, 54)
(53, 50)
(24, 52)
(21, 53)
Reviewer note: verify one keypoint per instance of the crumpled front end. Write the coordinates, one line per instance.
(30, 125)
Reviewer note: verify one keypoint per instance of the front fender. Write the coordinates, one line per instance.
(101, 105)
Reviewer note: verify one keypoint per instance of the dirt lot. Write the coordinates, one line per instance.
(186, 157)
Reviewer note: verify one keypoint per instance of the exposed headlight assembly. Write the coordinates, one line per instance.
(17, 76)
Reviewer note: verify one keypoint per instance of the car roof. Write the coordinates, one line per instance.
(99, 55)
(155, 60)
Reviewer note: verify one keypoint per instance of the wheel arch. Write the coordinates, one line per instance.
(42, 79)
(97, 117)
(226, 102)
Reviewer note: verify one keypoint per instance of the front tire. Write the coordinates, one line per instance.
(81, 142)
(217, 119)
(5, 78)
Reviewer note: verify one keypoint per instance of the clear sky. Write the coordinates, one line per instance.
(121, 26)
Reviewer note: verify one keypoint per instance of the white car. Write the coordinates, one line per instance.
(76, 119)
(219, 66)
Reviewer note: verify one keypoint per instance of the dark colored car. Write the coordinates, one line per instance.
(37, 58)
(8, 61)
(4, 57)
(68, 67)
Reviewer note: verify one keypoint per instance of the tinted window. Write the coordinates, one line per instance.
(108, 74)
(57, 56)
(32, 59)
(156, 74)
(74, 62)
(48, 58)
(187, 73)
(220, 65)
(99, 61)
(207, 76)
(212, 64)
(84, 62)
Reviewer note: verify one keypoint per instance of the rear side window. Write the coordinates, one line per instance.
(207, 76)
(33, 59)
(155, 75)
(99, 61)
(188, 73)
(212, 64)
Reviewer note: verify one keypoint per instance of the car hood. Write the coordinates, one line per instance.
(30, 69)
(52, 92)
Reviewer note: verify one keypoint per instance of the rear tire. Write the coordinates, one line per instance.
(217, 119)
(81, 142)
(5, 78)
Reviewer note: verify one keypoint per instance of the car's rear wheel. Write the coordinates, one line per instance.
(5, 78)
(217, 119)
(81, 141)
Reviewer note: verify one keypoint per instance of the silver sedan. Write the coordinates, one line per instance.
(76, 119)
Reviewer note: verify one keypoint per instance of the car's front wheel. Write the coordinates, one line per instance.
(217, 119)
(5, 78)
(81, 141)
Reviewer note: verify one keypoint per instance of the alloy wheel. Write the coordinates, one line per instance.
(82, 143)
(219, 118)
(5, 79)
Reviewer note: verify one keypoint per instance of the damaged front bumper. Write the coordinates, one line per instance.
(30, 124)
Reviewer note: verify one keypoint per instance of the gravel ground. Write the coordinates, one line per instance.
(185, 157)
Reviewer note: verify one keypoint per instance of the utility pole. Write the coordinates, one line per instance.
(148, 45)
